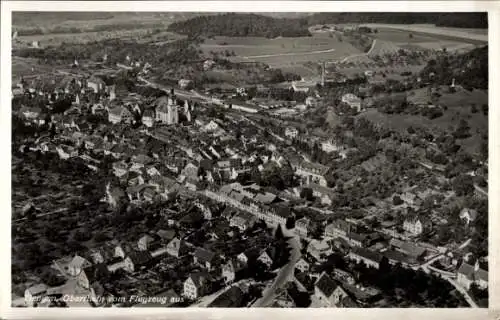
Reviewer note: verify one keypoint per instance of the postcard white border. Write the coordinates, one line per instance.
(493, 9)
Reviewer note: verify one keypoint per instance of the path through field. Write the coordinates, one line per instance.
(288, 54)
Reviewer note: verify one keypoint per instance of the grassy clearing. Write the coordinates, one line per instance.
(400, 36)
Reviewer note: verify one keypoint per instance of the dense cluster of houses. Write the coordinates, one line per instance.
(178, 149)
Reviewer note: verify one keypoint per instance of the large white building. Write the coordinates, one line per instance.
(312, 172)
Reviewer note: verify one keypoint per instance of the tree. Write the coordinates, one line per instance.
(51, 279)
(483, 149)
(462, 130)
(307, 193)
(396, 200)
(462, 185)
(484, 109)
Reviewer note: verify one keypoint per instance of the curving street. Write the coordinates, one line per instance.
(286, 272)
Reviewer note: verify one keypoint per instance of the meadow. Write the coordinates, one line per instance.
(281, 51)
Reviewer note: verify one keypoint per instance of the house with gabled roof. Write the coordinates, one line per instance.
(302, 265)
(338, 228)
(120, 114)
(230, 269)
(177, 248)
(166, 235)
(412, 250)
(468, 274)
(137, 260)
(100, 255)
(34, 294)
(122, 250)
(243, 220)
(92, 274)
(327, 292)
(204, 258)
(248, 255)
(302, 226)
(468, 215)
(369, 257)
(148, 118)
(145, 243)
(77, 265)
(265, 258)
(197, 285)
(312, 172)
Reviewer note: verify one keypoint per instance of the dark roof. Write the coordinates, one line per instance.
(170, 295)
(207, 164)
(467, 270)
(252, 253)
(95, 271)
(347, 302)
(396, 256)
(367, 254)
(166, 234)
(326, 285)
(204, 255)
(481, 275)
(200, 278)
(232, 298)
(140, 257)
(357, 236)
(282, 211)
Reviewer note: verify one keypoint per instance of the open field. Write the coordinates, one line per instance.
(55, 39)
(466, 35)
(280, 52)
(50, 22)
(401, 36)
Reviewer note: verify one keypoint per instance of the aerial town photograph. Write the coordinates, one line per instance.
(249, 159)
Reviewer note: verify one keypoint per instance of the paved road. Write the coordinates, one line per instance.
(462, 290)
(207, 300)
(285, 274)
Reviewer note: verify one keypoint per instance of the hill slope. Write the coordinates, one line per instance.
(241, 25)
(469, 69)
